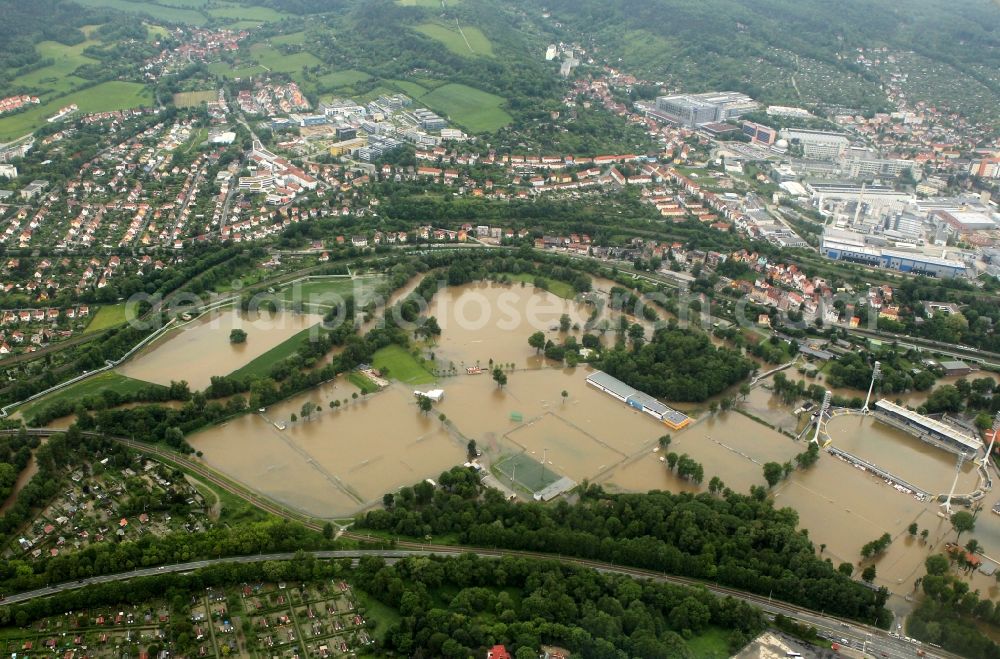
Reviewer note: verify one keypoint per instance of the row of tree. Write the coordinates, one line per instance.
(738, 540)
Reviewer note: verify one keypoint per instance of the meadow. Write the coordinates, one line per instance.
(93, 386)
(160, 12)
(396, 363)
(107, 96)
(107, 316)
(473, 43)
(57, 77)
(473, 109)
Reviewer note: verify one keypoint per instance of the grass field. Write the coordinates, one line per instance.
(554, 286)
(473, 43)
(409, 88)
(242, 12)
(275, 60)
(474, 110)
(362, 382)
(194, 99)
(342, 78)
(57, 77)
(108, 380)
(527, 472)
(713, 643)
(160, 12)
(316, 290)
(223, 69)
(291, 39)
(428, 3)
(106, 96)
(107, 316)
(262, 365)
(401, 365)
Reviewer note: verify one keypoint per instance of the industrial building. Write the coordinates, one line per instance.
(853, 247)
(817, 144)
(695, 109)
(637, 400)
(759, 133)
(932, 431)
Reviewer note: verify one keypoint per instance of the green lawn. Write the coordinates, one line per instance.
(401, 365)
(473, 109)
(554, 286)
(160, 12)
(90, 387)
(107, 316)
(114, 95)
(473, 43)
(262, 365)
(713, 643)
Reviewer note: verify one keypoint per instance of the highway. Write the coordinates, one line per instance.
(877, 642)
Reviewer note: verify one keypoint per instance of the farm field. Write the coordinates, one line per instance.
(194, 99)
(554, 286)
(401, 365)
(160, 12)
(107, 96)
(473, 109)
(473, 43)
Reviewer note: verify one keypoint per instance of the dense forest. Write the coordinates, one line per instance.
(459, 607)
(737, 540)
(757, 46)
(679, 365)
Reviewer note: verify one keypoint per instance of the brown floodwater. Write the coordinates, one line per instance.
(930, 468)
(201, 348)
(339, 462)
(22, 480)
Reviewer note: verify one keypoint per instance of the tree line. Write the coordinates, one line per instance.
(737, 540)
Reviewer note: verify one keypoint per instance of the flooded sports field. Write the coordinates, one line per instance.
(340, 461)
(201, 348)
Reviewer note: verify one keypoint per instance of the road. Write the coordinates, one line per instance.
(877, 641)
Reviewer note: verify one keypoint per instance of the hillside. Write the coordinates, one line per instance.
(801, 52)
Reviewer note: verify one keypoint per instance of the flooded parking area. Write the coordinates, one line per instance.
(201, 348)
